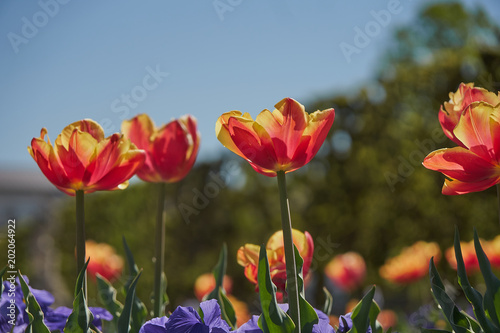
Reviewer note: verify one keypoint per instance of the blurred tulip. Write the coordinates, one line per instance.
(411, 264)
(205, 283)
(103, 260)
(472, 120)
(387, 319)
(347, 270)
(83, 159)
(248, 257)
(240, 309)
(283, 140)
(171, 150)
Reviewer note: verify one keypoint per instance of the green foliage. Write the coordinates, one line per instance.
(33, 309)
(273, 319)
(80, 320)
(218, 293)
(486, 309)
(308, 316)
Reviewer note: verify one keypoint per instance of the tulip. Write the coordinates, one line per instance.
(248, 257)
(205, 283)
(347, 270)
(283, 140)
(411, 264)
(170, 150)
(470, 119)
(170, 154)
(103, 261)
(83, 159)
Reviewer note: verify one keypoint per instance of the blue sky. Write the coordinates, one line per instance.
(65, 60)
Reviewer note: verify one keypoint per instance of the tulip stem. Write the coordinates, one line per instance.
(159, 251)
(291, 268)
(498, 197)
(80, 237)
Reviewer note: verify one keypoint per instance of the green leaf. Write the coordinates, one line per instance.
(474, 297)
(218, 293)
(492, 295)
(458, 321)
(79, 321)
(374, 311)
(2, 272)
(139, 310)
(125, 318)
(33, 309)
(272, 319)
(227, 310)
(361, 313)
(107, 295)
(327, 307)
(427, 330)
(132, 267)
(308, 316)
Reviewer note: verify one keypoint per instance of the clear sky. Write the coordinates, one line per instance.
(65, 60)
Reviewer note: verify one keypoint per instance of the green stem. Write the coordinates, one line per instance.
(291, 268)
(159, 250)
(498, 196)
(80, 237)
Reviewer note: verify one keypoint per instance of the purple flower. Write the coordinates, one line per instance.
(55, 319)
(12, 306)
(323, 325)
(13, 309)
(186, 319)
(345, 324)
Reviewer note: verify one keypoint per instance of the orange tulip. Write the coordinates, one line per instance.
(472, 120)
(346, 270)
(83, 159)
(170, 150)
(103, 260)
(248, 257)
(468, 254)
(283, 140)
(205, 283)
(411, 264)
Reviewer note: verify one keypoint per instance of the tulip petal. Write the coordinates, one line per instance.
(473, 130)
(456, 187)
(461, 164)
(86, 125)
(314, 135)
(170, 147)
(253, 142)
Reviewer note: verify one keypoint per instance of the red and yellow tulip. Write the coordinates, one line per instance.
(103, 260)
(347, 270)
(83, 159)
(411, 264)
(283, 140)
(171, 150)
(472, 120)
(248, 257)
